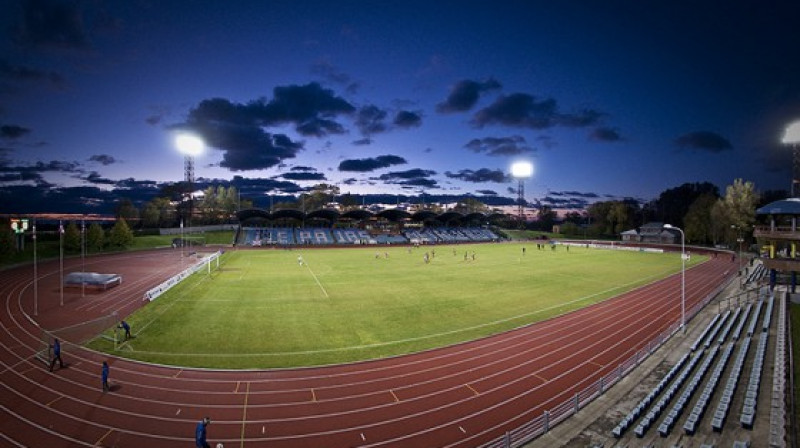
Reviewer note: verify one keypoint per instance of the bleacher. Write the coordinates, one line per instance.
(729, 326)
(351, 236)
(313, 236)
(317, 236)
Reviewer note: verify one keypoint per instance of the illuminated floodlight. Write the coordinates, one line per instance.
(521, 170)
(189, 144)
(792, 134)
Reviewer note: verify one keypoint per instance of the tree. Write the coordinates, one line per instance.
(546, 218)
(126, 210)
(697, 222)
(121, 236)
(470, 205)
(95, 237)
(673, 204)
(7, 246)
(158, 212)
(72, 237)
(740, 202)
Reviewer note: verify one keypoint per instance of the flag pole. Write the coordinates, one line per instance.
(61, 257)
(83, 258)
(35, 275)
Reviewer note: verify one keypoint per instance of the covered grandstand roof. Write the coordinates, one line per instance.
(361, 215)
(790, 206)
(326, 213)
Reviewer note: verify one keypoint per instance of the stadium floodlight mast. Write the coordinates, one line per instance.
(521, 171)
(792, 137)
(683, 275)
(190, 145)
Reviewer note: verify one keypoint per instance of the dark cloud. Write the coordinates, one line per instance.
(511, 190)
(525, 111)
(418, 182)
(499, 146)
(52, 23)
(327, 71)
(103, 159)
(575, 194)
(371, 164)
(260, 186)
(33, 173)
(303, 175)
(236, 129)
(406, 119)
(487, 192)
(704, 141)
(12, 131)
(564, 203)
(415, 173)
(363, 141)
(371, 120)
(479, 176)
(302, 168)
(14, 72)
(605, 135)
(95, 178)
(310, 107)
(465, 94)
(350, 181)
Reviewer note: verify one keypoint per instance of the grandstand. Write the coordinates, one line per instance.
(261, 228)
(284, 236)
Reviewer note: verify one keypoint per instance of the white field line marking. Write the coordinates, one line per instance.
(317, 280)
(141, 328)
(399, 341)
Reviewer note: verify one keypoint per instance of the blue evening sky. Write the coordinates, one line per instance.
(607, 99)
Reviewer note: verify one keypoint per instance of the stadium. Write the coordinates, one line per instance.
(522, 375)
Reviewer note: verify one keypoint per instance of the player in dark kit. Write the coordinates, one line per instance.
(200, 433)
(56, 355)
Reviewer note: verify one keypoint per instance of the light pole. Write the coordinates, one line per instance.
(792, 137)
(739, 240)
(683, 275)
(521, 171)
(190, 146)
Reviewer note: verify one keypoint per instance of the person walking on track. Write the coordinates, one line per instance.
(106, 387)
(56, 355)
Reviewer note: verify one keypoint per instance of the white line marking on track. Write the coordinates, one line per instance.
(462, 429)
(364, 439)
(179, 412)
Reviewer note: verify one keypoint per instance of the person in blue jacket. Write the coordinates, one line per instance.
(56, 355)
(106, 387)
(125, 326)
(200, 433)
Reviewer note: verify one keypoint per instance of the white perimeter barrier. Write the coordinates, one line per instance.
(175, 279)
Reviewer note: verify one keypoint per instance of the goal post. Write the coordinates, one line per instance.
(77, 334)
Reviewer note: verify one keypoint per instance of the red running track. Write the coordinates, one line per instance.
(459, 396)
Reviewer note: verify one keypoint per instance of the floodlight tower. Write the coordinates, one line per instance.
(792, 137)
(190, 145)
(521, 171)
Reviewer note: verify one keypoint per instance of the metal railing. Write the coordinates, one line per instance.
(560, 412)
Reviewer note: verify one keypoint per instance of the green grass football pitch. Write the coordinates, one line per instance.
(263, 309)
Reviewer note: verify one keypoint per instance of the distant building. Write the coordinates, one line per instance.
(652, 232)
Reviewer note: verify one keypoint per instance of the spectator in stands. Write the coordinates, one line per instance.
(56, 355)
(200, 433)
(104, 374)
(125, 326)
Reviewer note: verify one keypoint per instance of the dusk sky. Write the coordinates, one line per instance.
(607, 99)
